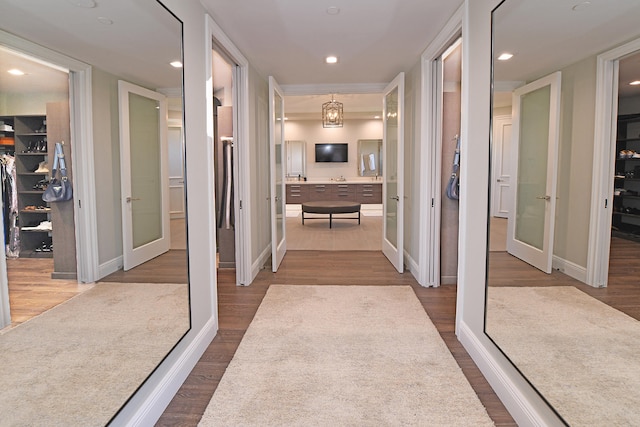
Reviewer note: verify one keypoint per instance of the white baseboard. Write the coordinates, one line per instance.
(109, 267)
(159, 398)
(259, 263)
(526, 407)
(570, 269)
(411, 265)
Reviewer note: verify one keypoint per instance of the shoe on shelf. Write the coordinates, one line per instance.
(43, 226)
(42, 167)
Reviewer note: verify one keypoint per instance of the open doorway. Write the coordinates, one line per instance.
(223, 153)
(353, 173)
(451, 65)
(39, 237)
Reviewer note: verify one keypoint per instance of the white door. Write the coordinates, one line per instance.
(393, 172)
(501, 170)
(144, 174)
(534, 153)
(277, 161)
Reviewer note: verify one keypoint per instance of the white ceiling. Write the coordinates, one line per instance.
(138, 45)
(289, 38)
(546, 35)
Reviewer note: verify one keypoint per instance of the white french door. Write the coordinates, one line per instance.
(144, 174)
(277, 161)
(501, 167)
(534, 154)
(393, 172)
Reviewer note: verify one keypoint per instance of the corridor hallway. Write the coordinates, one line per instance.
(238, 305)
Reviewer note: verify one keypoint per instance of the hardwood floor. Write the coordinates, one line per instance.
(237, 306)
(32, 291)
(622, 291)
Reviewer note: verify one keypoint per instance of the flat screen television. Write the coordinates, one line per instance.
(329, 153)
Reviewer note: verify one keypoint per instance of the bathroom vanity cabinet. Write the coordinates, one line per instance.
(365, 193)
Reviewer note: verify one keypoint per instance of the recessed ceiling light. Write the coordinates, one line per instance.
(581, 6)
(83, 3)
(176, 64)
(333, 10)
(16, 72)
(635, 83)
(505, 56)
(104, 20)
(376, 117)
(331, 59)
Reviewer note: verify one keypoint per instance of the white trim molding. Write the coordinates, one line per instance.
(81, 116)
(569, 268)
(430, 175)
(323, 89)
(242, 173)
(603, 162)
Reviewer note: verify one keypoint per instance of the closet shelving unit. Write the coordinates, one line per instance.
(626, 201)
(30, 132)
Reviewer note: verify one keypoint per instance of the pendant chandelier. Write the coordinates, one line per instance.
(332, 115)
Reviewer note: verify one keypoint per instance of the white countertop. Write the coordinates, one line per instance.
(328, 181)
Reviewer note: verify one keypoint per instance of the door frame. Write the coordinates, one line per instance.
(604, 162)
(428, 274)
(82, 155)
(241, 158)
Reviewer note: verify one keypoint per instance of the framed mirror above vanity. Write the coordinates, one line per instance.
(81, 360)
(370, 157)
(562, 295)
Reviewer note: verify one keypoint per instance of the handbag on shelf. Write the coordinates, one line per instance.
(59, 189)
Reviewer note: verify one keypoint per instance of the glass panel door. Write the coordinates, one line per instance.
(276, 122)
(393, 198)
(534, 155)
(144, 174)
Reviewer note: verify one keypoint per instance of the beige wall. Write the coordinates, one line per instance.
(412, 166)
(575, 161)
(106, 149)
(12, 104)
(312, 132)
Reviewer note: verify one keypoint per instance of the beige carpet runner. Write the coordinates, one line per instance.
(581, 354)
(340, 356)
(78, 363)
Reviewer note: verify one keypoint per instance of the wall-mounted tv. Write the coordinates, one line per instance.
(328, 153)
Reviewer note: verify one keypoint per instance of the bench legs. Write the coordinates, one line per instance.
(331, 218)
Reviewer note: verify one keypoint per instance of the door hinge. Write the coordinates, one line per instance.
(79, 204)
(433, 202)
(606, 203)
(240, 204)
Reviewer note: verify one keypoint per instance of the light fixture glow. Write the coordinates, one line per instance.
(176, 64)
(505, 56)
(331, 59)
(16, 72)
(635, 83)
(333, 10)
(332, 114)
(104, 20)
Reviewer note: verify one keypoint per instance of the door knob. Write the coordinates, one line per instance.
(131, 199)
(500, 180)
(547, 198)
(396, 198)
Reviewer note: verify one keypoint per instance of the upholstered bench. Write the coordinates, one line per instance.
(331, 207)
